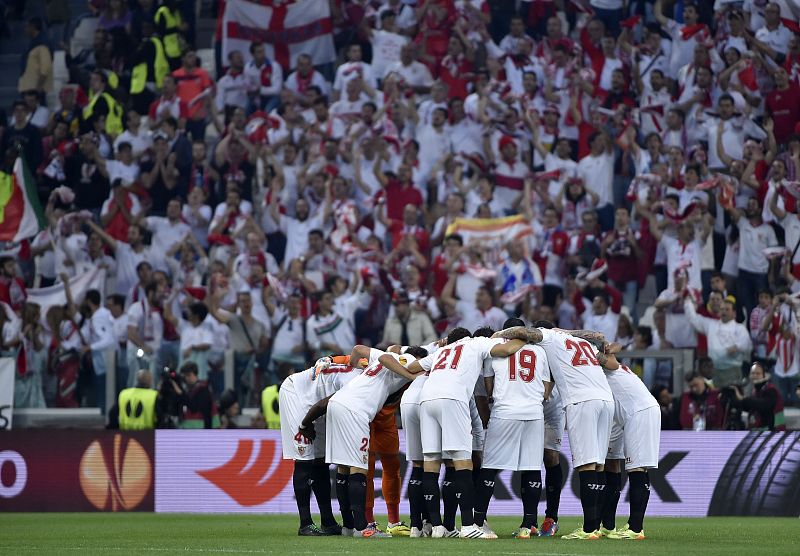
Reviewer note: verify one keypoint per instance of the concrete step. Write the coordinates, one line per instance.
(8, 95)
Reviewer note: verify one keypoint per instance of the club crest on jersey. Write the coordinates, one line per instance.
(301, 450)
(403, 360)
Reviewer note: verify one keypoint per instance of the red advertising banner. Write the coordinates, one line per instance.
(74, 470)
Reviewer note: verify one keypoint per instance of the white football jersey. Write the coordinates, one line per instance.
(519, 384)
(367, 393)
(311, 390)
(630, 393)
(575, 368)
(455, 368)
(414, 390)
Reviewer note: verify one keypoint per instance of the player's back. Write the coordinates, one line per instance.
(367, 393)
(575, 368)
(630, 393)
(328, 382)
(455, 368)
(519, 383)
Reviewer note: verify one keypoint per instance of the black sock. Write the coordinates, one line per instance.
(465, 495)
(588, 499)
(531, 491)
(430, 491)
(358, 499)
(322, 492)
(483, 494)
(609, 512)
(553, 480)
(301, 481)
(449, 498)
(343, 495)
(639, 494)
(601, 498)
(416, 499)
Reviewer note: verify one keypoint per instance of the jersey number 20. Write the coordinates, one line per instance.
(583, 354)
(523, 363)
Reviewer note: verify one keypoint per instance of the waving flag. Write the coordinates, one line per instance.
(21, 214)
(491, 231)
(288, 28)
(78, 285)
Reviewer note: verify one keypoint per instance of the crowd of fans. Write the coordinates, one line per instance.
(285, 213)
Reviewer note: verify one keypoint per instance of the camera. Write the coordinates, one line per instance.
(733, 415)
(169, 374)
(168, 408)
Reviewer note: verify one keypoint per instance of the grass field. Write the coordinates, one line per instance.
(147, 533)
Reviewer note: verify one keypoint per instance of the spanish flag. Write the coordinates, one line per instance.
(21, 215)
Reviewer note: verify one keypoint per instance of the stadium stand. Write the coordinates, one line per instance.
(252, 196)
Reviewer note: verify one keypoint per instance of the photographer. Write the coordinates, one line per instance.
(168, 408)
(763, 405)
(197, 407)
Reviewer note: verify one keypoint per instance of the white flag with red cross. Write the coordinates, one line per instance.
(288, 28)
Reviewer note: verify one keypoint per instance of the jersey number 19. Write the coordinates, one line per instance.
(522, 363)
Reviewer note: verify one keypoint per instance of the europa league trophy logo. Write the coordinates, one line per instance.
(115, 481)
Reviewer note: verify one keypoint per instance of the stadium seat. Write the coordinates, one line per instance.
(206, 56)
(60, 72)
(83, 35)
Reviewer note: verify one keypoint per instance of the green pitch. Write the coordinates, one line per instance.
(143, 534)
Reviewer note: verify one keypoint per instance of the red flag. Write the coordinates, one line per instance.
(747, 76)
(691, 30)
(631, 22)
(680, 216)
(544, 176)
(710, 183)
(727, 194)
(791, 25)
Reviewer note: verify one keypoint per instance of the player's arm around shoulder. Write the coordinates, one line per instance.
(526, 335)
(315, 412)
(410, 373)
(607, 357)
(507, 348)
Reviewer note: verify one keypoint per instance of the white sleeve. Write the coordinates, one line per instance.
(427, 362)
(487, 344)
(547, 336)
(374, 354)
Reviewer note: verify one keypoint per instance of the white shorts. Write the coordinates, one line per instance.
(446, 428)
(478, 432)
(292, 414)
(637, 439)
(589, 429)
(409, 415)
(348, 437)
(553, 424)
(514, 445)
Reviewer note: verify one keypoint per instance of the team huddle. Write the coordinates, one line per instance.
(531, 382)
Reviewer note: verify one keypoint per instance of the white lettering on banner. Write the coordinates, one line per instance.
(21, 473)
(243, 471)
(7, 371)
